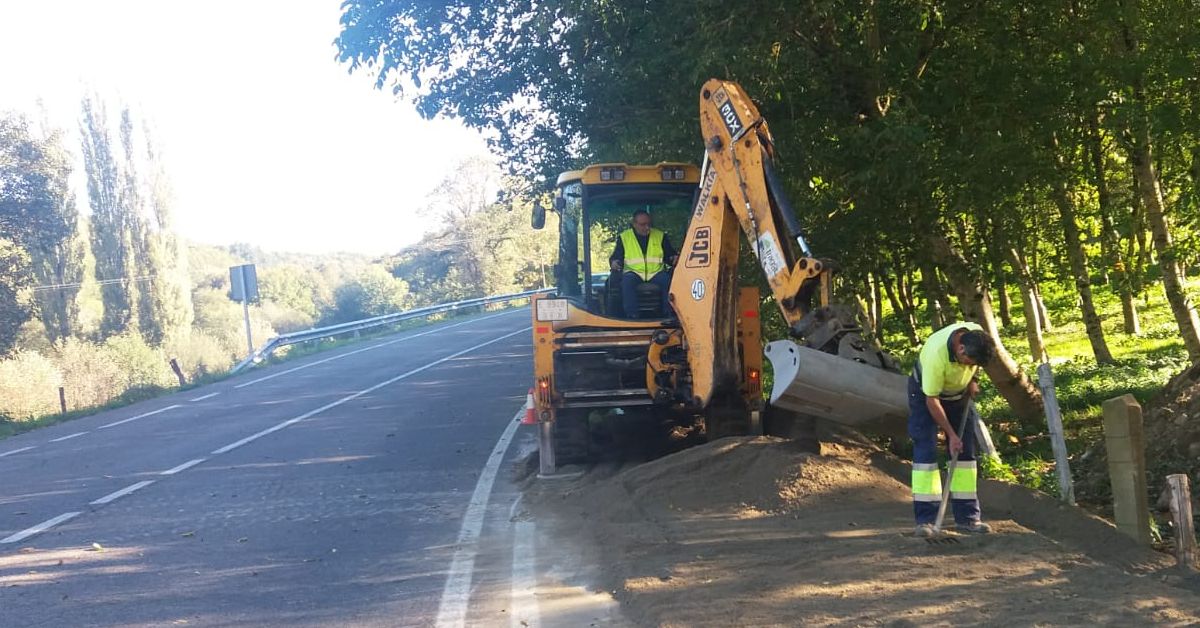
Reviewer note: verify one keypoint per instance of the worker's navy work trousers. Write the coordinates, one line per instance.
(629, 284)
(927, 483)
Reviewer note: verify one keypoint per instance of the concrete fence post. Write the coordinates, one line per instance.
(1127, 466)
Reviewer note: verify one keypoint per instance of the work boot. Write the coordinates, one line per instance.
(924, 530)
(975, 527)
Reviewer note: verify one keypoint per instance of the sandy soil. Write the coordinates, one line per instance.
(755, 531)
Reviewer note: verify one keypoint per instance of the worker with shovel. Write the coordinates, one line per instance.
(942, 386)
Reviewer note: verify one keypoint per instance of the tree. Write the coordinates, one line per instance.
(15, 307)
(140, 265)
(290, 286)
(374, 292)
(57, 258)
(38, 223)
(112, 239)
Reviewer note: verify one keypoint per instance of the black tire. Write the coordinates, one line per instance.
(721, 420)
(572, 441)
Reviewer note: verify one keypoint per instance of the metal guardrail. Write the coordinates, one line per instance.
(378, 321)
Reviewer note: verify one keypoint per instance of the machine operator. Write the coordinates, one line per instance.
(643, 253)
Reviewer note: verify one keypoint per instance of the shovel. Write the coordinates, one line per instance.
(939, 535)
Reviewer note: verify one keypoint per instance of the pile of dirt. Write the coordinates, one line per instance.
(757, 531)
(1171, 425)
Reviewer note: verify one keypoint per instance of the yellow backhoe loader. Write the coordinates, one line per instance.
(701, 360)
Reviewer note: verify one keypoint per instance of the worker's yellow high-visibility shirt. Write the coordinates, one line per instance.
(939, 373)
(646, 263)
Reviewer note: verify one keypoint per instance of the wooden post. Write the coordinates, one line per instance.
(62, 399)
(1181, 514)
(178, 372)
(1066, 488)
(1126, 447)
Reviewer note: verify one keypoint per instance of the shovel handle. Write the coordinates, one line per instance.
(962, 424)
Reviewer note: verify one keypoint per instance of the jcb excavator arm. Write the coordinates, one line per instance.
(739, 190)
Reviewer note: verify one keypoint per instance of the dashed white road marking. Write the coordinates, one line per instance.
(41, 527)
(59, 440)
(121, 493)
(203, 397)
(140, 416)
(17, 451)
(253, 437)
(183, 467)
(525, 611)
(370, 348)
(457, 593)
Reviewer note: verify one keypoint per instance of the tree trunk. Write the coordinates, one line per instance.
(903, 313)
(1110, 240)
(1083, 282)
(877, 303)
(869, 306)
(1022, 396)
(996, 261)
(905, 282)
(1151, 193)
(933, 296)
(1109, 249)
(1029, 300)
(1043, 315)
(1142, 157)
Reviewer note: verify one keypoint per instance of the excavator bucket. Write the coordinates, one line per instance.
(812, 382)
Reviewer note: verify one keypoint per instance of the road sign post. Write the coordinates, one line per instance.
(243, 281)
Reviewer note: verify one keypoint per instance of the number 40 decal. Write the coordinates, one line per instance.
(700, 255)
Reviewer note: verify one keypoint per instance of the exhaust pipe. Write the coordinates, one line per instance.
(813, 382)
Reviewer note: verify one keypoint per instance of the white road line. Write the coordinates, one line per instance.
(453, 608)
(183, 467)
(140, 416)
(525, 611)
(123, 492)
(59, 440)
(17, 451)
(41, 527)
(371, 348)
(253, 437)
(203, 397)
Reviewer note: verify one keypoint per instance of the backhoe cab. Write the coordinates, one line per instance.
(593, 365)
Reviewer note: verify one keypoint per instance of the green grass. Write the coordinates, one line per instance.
(12, 427)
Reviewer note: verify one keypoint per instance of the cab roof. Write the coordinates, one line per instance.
(594, 174)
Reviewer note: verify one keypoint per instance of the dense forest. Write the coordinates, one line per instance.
(98, 294)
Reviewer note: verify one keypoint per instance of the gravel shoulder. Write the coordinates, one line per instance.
(758, 531)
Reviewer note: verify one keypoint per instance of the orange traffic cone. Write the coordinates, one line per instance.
(530, 416)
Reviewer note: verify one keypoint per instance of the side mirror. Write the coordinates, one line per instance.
(560, 203)
(539, 215)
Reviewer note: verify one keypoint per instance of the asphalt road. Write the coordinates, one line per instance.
(370, 486)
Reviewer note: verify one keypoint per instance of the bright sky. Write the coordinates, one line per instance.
(267, 139)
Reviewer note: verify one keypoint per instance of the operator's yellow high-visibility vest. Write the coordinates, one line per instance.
(644, 265)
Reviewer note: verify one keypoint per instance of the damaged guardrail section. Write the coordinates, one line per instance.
(319, 333)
